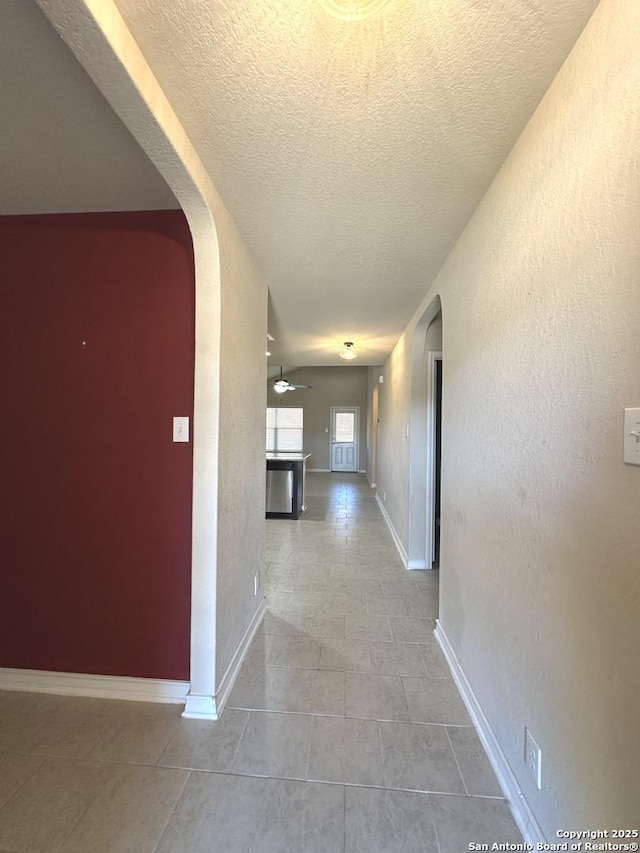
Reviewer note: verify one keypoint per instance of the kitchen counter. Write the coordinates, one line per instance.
(288, 457)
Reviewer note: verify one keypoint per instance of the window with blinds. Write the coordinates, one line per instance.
(284, 429)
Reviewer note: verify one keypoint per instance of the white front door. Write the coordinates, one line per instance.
(344, 439)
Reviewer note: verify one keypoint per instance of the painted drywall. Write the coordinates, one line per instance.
(540, 536)
(241, 466)
(96, 357)
(330, 386)
(225, 276)
(434, 335)
(394, 412)
(63, 150)
(373, 380)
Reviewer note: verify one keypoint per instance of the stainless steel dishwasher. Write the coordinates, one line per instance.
(279, 490)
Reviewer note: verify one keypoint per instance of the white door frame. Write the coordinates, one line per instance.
(418, 552)
(356, 409)
(432, 359)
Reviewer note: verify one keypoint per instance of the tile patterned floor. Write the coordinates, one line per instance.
(343, 734)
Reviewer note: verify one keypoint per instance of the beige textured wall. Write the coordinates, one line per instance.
(394, 412)
(434, 335)
(331, 386)
(402, 465)
(241, 470)
(540, 517)
(373, 390)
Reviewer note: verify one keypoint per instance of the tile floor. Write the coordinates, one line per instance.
(343, 734)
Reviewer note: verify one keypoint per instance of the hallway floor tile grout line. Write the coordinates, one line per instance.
(343, 733)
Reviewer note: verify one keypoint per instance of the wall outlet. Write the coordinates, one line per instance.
(632, 436)
(384, 497)
(256, 583)
(533, 757)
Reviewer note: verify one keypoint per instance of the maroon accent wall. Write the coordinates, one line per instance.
(96, 357)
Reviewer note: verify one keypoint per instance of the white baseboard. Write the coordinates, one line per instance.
(522, 814)
(94, 686)
(199, 707)
(394, 534)
(233, 669)
(328, 471)
(412, 565)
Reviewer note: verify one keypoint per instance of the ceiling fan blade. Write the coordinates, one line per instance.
(281, 384)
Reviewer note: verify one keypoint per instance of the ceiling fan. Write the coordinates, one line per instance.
(281, 385)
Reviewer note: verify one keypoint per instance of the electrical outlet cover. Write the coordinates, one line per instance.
(533, 757)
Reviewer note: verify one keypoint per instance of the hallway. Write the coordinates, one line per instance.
(344, 684)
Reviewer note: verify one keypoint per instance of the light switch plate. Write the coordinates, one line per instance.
(632, 436)
(181, 429)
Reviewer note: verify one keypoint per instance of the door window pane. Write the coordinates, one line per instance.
(345, 427)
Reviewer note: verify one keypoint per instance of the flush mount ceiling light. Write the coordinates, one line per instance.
(347, 351)
(353, 10)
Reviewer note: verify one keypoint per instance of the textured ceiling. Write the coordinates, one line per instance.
(351, 155)
(61, 146)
